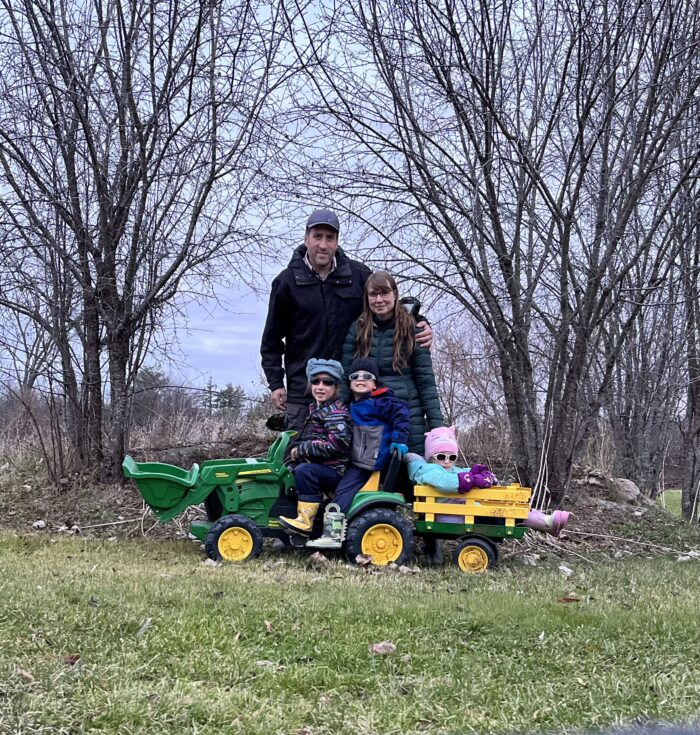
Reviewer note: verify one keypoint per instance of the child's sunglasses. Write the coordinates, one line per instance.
(442, 457)
(361, 376)
(325, 381)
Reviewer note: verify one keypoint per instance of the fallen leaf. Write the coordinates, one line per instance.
(26, 675)
(211, 563)
(363, 561)
(383, 648)
(218, 595)
(318, 558)
(566, 571)
(39, 524)
(72, 659)
(409, 570)
(268, 626)
(568, 599)
(237, 637)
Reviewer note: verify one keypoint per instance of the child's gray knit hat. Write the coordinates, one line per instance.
(316, 366)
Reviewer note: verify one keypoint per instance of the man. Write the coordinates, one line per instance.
(313, 302)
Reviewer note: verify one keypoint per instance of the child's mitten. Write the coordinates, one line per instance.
(466, 482)
(481, 477)
(399, 448)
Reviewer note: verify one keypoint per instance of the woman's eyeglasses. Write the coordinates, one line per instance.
(362, 376)
(323, 381)
(374, 295)
(442, 457)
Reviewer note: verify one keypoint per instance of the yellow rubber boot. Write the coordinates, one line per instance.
(303, 523)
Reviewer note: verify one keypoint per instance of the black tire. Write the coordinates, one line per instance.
(395, 534)
(233, 538)
(474, 555)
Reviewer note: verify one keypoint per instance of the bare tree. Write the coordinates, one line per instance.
(135, 145)
(523, 161)
(690, 422)
(642, 400)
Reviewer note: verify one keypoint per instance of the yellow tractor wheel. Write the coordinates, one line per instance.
(233, 538)
(382, 534)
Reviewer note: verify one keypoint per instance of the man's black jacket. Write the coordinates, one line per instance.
(308, 317)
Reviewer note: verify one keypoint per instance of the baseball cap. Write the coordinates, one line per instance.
(323, 217)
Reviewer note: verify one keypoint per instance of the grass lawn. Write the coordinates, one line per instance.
(169, 645)
(671, 500)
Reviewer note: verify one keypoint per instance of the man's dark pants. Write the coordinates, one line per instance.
(297, 414)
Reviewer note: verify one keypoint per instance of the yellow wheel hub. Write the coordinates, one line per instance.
(383, 543)
(473, 559)
(235, 544)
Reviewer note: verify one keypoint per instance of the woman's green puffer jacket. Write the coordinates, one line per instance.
(415, 384)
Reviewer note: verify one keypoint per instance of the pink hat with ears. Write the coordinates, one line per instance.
(441, 439)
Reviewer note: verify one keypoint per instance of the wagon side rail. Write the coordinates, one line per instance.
(493, 511)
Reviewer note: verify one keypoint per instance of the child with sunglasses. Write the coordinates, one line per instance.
(319, 453)
(439, 471)
(381, 426)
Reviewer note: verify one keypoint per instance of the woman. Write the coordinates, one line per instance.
(385, 331)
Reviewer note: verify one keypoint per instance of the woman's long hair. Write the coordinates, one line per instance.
(404, 326)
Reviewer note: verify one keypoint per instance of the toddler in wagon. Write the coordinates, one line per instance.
(438, 469)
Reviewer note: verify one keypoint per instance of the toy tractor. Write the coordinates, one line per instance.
(244, 498)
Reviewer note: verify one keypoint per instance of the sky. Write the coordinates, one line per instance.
(221, 340)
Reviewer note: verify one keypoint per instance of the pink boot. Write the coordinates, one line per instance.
(553, 523)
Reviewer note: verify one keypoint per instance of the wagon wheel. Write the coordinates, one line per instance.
(474, 555)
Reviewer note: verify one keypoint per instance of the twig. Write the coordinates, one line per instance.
(626, 540)
(111, 523)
